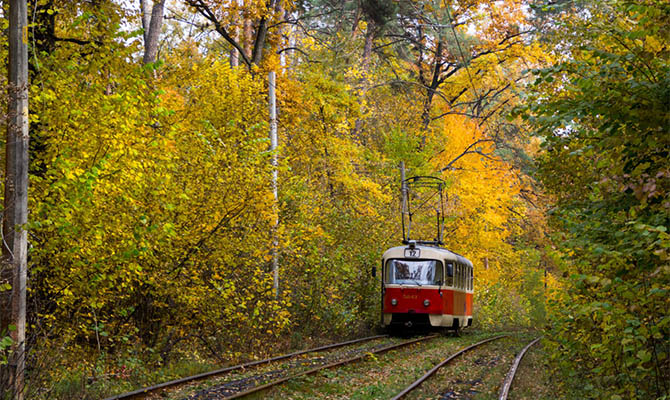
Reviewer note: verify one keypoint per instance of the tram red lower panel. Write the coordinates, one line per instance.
(411, 300)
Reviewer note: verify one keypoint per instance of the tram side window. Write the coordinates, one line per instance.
(449, 280)
(469, 278)
(459, 277)
(463, 283)
(456, 275)
(472, 278)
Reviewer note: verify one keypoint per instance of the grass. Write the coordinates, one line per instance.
(476, 375)
(532, 381)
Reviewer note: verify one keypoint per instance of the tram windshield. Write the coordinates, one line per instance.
(413, 272)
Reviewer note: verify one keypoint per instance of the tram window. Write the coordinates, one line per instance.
(413, 272)
(456, 278)
(459, 283)
(469, 278)
(460, 276)
(449, 281)
(463, 276)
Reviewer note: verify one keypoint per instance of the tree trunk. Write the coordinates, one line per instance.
(151, 38)
(248, 37)
(369, 41)
(15, 238)
(261, 35)
(146, 19)
(234, 55)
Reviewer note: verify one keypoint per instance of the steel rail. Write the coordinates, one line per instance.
(150, 389)
(428, 374)
(507, 383)
(331, 365)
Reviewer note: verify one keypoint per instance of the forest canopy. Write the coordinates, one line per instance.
(153, 223)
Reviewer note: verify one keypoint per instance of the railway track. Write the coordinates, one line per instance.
(430, 373)
(246, 379)
(144, 392)
(251, 384)
(213, 393)
(507, 382)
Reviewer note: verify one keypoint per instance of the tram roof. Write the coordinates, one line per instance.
(427, 252)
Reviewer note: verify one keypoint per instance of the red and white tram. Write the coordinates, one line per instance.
(422, 282)
(426, 285)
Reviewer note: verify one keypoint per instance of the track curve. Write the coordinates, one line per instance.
(428, 374)
(507, 383)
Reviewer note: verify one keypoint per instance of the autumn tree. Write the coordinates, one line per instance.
(602, 111)
(256, 17)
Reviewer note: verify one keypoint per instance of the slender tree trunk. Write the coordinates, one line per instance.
(248, 37)
(15, 238)
(146, 19)
(261, 35)
(369, 41)
(272, 79)
(151, 39)
(280, 31)
(234, 56)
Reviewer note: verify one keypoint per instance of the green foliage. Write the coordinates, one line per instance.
(152, 215)
(604, 114)
(5, 345)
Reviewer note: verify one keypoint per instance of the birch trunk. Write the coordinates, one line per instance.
(15, 216)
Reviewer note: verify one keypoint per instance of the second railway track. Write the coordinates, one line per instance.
(480, 376)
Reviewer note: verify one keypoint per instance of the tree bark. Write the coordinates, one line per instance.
(15, 216)
(146, 19)
(248, 37)
(151, 38)
(234, 54)
(369, 41)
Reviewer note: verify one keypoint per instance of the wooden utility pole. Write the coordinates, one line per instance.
(15, 215)
(275, 205)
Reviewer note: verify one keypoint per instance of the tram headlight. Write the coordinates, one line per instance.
(426, 303)
(394, 302)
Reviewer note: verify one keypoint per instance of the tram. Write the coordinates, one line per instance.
(423, 283)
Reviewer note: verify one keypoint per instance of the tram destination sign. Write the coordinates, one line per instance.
(412, 253)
